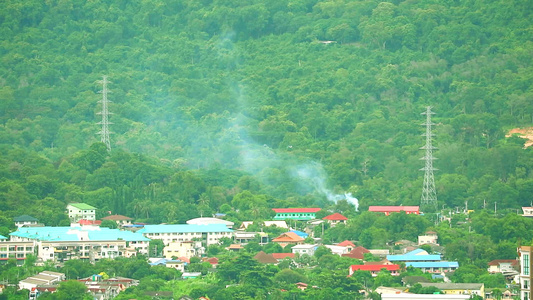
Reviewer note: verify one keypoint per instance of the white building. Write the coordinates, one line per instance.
(525, 273)
(91, 243)
(207, 234)
(25, 220)
(43, 278)
(528, 211)
(80, 211)
(16, 250)
(308, 249)
(208, 221)
(429, 238)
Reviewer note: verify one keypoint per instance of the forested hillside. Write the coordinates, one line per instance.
(241, 106)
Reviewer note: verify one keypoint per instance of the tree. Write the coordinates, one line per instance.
(72, 289)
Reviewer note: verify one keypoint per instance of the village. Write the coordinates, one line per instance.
(86, 239)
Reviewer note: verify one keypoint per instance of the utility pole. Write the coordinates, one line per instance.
(429, 193)
(104, 133)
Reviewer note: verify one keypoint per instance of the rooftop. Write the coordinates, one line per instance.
(453, 286)
(265, 258)
(296, 210)
(432, 264)
(25, 218)
(81, 206)
(375, 267)
(178, 228)
(346, 243)
(205, 221)
(335, 217)
(288, 237)
(67, 234)
(117, 218)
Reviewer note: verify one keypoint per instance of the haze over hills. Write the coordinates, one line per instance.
(237, 104)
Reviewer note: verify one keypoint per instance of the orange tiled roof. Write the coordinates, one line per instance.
(289, 237)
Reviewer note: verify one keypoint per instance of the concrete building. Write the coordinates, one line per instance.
(524, 254)
(387, 210)
(80, 211)
(302, 249)
(209, 221)
(181, 249)
(335, 219)
(207, 234)
(16, 250)
(430, 237)
(90, 243)
(458, 288)
(25, 220)
(119, 219)
(301, 214)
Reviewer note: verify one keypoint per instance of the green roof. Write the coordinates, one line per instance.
(82, 206)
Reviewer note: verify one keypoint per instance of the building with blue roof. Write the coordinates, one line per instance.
(420, 259)
(415, 255)
(90, 243)
(208, 234)
(300, 233)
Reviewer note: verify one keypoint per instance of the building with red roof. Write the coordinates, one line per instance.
(375, 269)
(84, 222)
(335, 219)
(387, 210)
(302, 214)
(357, 253)
(288, 238)
(281, 256)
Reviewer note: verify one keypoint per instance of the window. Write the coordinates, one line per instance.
(29, 248)
(526, 284)
(3, 255)
(3, 249)
(20, 255)
(526, 264)
(12, 248)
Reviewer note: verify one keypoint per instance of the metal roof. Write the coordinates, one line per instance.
(81, 206)
(182, 228)
(296, 210)
(432, 264)
(69, 234)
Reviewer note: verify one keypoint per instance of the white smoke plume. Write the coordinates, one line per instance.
(314, 173)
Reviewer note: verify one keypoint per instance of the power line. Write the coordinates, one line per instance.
(429, 193)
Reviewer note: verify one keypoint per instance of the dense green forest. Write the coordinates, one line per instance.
(241, 106)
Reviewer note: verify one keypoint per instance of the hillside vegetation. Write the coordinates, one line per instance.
(241, 106)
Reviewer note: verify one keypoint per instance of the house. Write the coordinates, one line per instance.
(430, 237)
(288, 238)
(387, 210)
(335, 219)
(300, 233)
(79, 211)
(191, 275)
(528, 211)
(357, 253)
(209, 234)
(25, 220)
(180, 249)
(301, 214)
(235, 247)
(265, 258)
(119, 219)
(84, 222)
(339, 250)
(212, 260)
(458, 288)
(244, 237)
(409, 296)
(524, 256)
(507, 294)
(347, 244)
(169, 263)
(505, 266)
(282, 256)
(308, 249)
(207, 221)
(375, 269)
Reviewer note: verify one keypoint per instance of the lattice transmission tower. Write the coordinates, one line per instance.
(104, 133)
(429, 194)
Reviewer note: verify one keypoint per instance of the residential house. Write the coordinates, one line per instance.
(235, 247)
(335, 219)
(212, 260)
(349, 245)
(265, 258)
(375, 269)
(301, 214)
(244, 237)
(209, 234)
(524, 255)
(288, 238)
(339, 250)
(84, 222)
(387, 210)
(79, 211)
(504, 266)
(208, 221)
(300, 233)
(179, 249)
(357, 253)
(25, 220)
(169, 263)
(302, 249)
(458, 288)
(119, 219)
(528, 211)
(430, 237)
(282, 256)
(506, 294)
